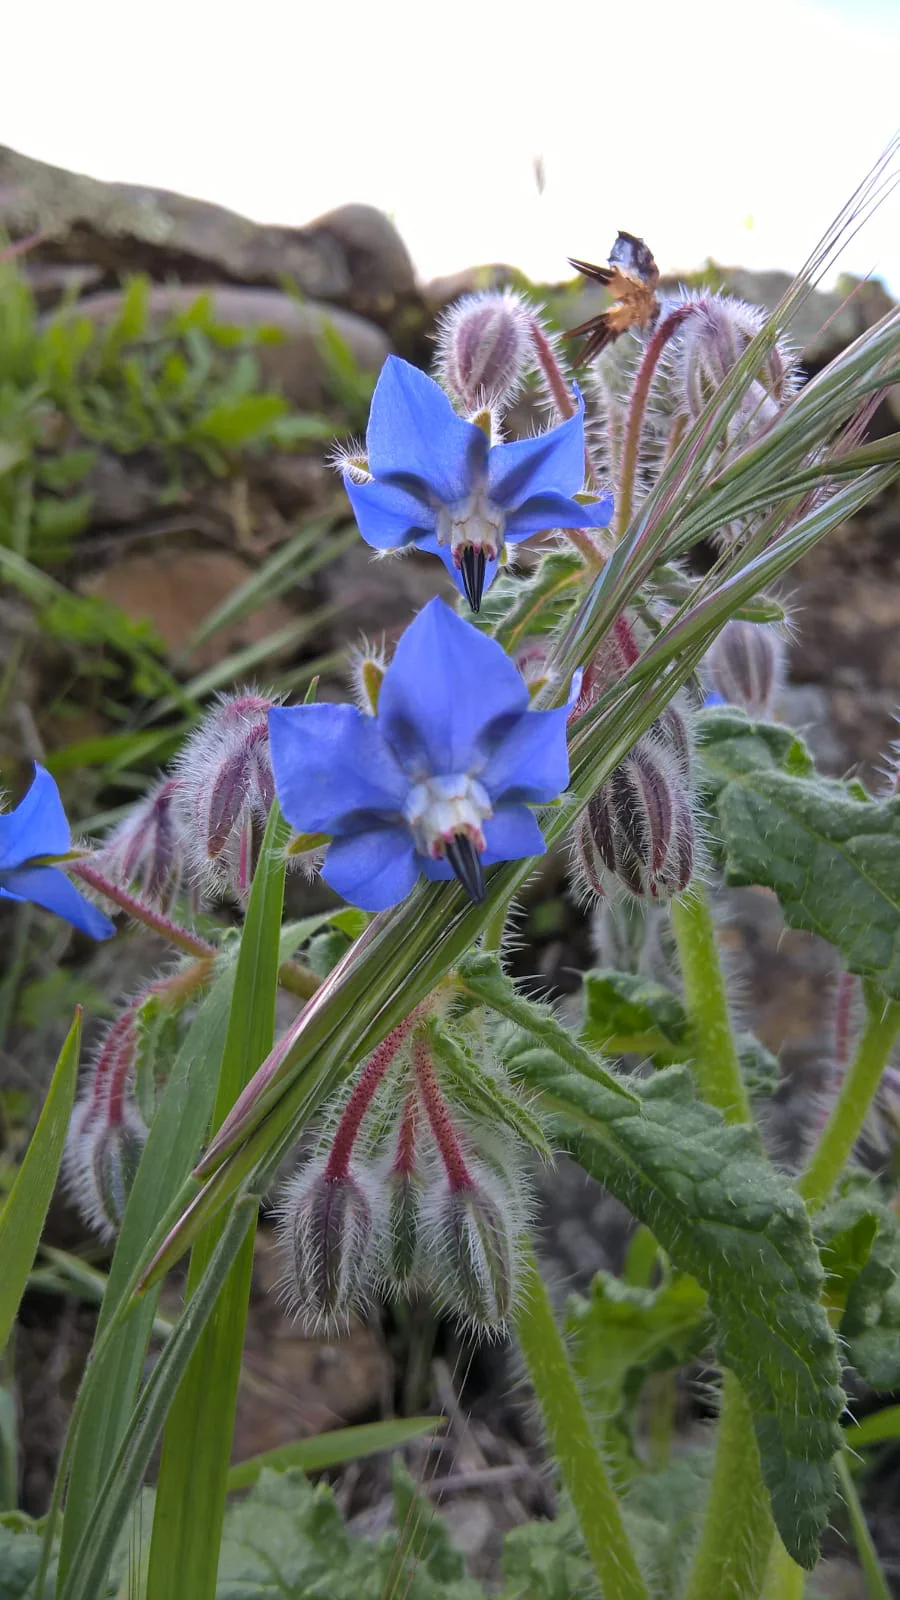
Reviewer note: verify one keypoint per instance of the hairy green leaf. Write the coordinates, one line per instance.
(860, 1247)
(723, 1214)
(830, 852)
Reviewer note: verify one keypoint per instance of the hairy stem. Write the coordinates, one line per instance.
(737, 1533)
(850, 1109)
(638, 408)
(572, 1443)
(715, 1054)
(180, 937)
(559, 389)
(876, 1583)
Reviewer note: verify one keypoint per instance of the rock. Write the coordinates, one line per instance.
(440, 292)
(353, 256)
(295, 363)
(49, 281)
(376, 259)
(177, 591)
(375, 593)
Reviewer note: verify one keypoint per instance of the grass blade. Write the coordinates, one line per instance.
(190, 1501)
(333, 1448)
(22, 1218)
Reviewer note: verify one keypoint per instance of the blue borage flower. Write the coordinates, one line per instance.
(30, 837)
(439, 782)
(437, 482)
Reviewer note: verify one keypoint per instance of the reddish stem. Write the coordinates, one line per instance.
(182, 938)
(405, 1158)
(338, 1165)
(117, 1055)
(624, 636)
(458, 1175)
(559, 388)
(638, 407)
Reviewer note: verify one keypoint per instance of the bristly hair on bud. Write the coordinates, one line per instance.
(101, 1158)
(484, 348)
(471, 1238)
(746, 666)
(146, 850)
(326, 1224)
(637, 832)
(224, 793)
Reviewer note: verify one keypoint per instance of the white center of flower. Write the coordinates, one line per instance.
(474, 522)
(440, 808)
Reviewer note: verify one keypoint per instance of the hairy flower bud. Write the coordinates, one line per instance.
(224, 793)
(368, 665)
(102, 1156)
(483, 348)
(638, 831)
(326, 1226)
(403, 1223)
(145, 851)
(746, 666)
(473, 1230)
(713, 340)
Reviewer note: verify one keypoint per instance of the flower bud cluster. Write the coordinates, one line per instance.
(404, 1192)
(637, 832)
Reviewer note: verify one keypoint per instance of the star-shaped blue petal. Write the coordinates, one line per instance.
(444, 773)
(437, 483)
(35, 831)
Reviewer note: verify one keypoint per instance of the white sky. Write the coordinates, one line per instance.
(710, 136)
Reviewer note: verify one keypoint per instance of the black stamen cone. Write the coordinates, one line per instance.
(472, 565)
(466, 863)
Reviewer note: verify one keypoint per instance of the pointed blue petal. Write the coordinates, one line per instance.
(388, 518)
(448, 696)
(510, 834)
(532, 762)
(37, 826)
(436, 871)
(330, 764)
(542, 511)
(374, 869)
(446, 555)
(552, 462)
(415, 434)
(50, 888)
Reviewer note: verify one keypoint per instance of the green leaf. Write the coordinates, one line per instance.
(190, 1499)
(620, 1334)
(22, 1217)
(626, 1014)
(860, 1247)
(20, 1556)
(233, 423)
(286, 1541)
(829, 851)
(482, 979)
(724, 1215)
(547, 1561)
(332, 1449)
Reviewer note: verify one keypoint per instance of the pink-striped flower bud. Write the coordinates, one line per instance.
(326, 1227)
(484, 348)
(472, 1232)
(746, 666)
(637, 832)
(145, 852)
(225, 792)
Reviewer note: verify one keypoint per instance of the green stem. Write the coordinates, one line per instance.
(876, 1583)
(494, 929)
(851, 1107)
(784, 1579)
(737, 1533)
(716, 1063)
(572, 1443)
